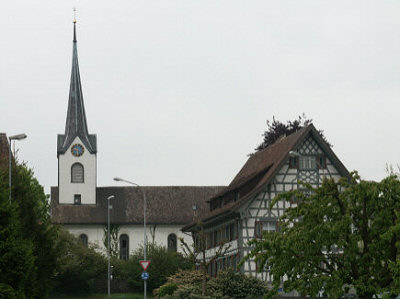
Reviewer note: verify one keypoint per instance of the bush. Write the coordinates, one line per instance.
(190, 277)
(6, 291)
(167, 289)
(163, 264)
(229, 284)
(188, 282)
(79, 268)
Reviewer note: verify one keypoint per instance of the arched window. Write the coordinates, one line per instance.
(84, 239)
(77, 173)
(172, 245)
(124, 247)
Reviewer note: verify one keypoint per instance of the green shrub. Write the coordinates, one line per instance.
(79, 268)
(6, 291)
(188, 282)
(229, 284)
(189, 277)
(189, 291)
(167, 289)
(163, 264)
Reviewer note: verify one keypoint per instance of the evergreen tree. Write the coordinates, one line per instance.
(17, 261)
(33, 210)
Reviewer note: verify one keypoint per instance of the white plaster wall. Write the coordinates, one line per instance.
(135, 233)
(66, 188)
(95, 234)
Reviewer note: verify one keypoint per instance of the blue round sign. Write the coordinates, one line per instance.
(145, 275)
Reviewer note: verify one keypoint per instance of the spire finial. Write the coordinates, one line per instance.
(74, 9)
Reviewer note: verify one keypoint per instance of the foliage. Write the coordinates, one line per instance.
(33, 208)
(114, 233)
(163, 264)
(229, 284)
(79, 267)
(197, 252)
(193, 277)
(16, 253)
(343, 234)
(277, 129)
(28, 255)
(188, 281)
(6, 291)
(167, 289)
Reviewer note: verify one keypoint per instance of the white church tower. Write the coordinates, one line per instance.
(76, 149)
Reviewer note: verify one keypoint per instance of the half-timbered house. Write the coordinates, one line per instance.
(241, 211)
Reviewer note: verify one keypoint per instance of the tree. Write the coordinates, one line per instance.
(197, 252)
(16, 252)
(27, 236)
(34, 217)
(277, 129)
(340, 235)
(114, 232)
(79, 268)
(163, 264)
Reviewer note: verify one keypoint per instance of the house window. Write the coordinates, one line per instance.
(84, 240)
(265, 226)
(307, 162)
(77, 199)
(227, 233)
(172, 246)
(321, 162)
(124, 247)
(77, 173)
(293, 162)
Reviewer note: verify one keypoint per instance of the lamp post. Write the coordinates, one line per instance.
(109, 207)
(144, 226)
(14, 137)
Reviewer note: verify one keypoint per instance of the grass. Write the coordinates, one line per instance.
(104, 296)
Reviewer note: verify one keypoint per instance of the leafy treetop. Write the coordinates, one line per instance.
(340, 235)
(276, 129)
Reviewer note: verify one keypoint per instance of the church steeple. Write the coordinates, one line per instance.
(76, 125)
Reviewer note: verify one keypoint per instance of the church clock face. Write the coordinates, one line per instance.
(77, 150)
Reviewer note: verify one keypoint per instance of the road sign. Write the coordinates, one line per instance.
(145, 275)
(144, 264)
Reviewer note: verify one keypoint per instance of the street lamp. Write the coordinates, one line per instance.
(109, 207)
(144, 225)
(14, 137)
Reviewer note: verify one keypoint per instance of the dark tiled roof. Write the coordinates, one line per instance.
(4, 147)
(265, 164)
(76, 124)
(165, 205)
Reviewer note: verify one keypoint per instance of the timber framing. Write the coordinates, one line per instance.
(303, 156)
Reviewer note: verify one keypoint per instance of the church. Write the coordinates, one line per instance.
(78, 204)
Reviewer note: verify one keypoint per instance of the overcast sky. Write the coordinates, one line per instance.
(179, 92)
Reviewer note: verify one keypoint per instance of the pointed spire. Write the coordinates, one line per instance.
(74, 25)
(76, 125)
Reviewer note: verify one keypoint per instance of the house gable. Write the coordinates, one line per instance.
(301, 156)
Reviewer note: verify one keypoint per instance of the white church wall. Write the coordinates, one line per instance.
(87, 189)
(95, 234)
